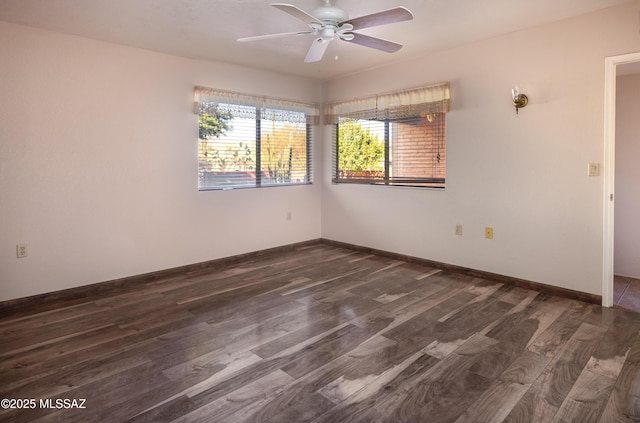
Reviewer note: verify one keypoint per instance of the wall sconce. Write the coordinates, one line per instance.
(428, 116)
(519, 100)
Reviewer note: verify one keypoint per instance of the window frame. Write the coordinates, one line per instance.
(413, 103)
(387, 178)
(206, 98)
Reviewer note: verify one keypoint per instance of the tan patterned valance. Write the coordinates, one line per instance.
(401, 104)
(209, 97)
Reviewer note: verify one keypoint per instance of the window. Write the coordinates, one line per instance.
(247, 141)
(394, 139)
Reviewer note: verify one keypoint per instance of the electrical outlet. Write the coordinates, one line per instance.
(21, 250)
(458, 229)
(488, 232)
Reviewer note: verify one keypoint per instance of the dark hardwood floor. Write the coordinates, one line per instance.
(322, 334)
(626, 292)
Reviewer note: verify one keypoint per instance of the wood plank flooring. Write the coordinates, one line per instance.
(626, 292)
(322, 334)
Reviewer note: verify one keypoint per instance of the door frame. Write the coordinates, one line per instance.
(610, 72)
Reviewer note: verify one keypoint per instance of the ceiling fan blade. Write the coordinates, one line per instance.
(297, 13)
(397, 14)
(315, 53)
(373, 42)
(266, 37)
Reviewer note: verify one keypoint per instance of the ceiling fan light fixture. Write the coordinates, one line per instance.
(347, 36)
(331, 23)
(328, 33)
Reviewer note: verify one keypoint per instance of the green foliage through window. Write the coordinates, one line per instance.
(359, 150)
(407, 151)
(213, 125)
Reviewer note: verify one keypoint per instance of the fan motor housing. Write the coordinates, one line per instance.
(330, 14)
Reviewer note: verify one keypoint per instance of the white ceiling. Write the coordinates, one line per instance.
(208, 29)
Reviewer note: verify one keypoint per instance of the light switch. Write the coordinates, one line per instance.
(594, 169)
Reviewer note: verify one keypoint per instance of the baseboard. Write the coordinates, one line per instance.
(68, 297)
(522, 283)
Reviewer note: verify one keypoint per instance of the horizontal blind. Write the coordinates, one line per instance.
(284, 148)
(360, 151)
(247, 141)
(228, 159)
(408, 151)
(392, 139)
(418, 153)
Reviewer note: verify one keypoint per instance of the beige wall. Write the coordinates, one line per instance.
(98, 165)
(525, 175)
(627, 206)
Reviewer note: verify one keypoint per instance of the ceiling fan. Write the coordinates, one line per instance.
(329, 22)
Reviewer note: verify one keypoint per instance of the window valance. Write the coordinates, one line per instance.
(209, 97)
(402, 104)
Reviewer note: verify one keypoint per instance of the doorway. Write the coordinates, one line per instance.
(613, 67)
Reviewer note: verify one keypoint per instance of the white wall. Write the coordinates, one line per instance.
(627, 206)
(525, 175)
(98, 165)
